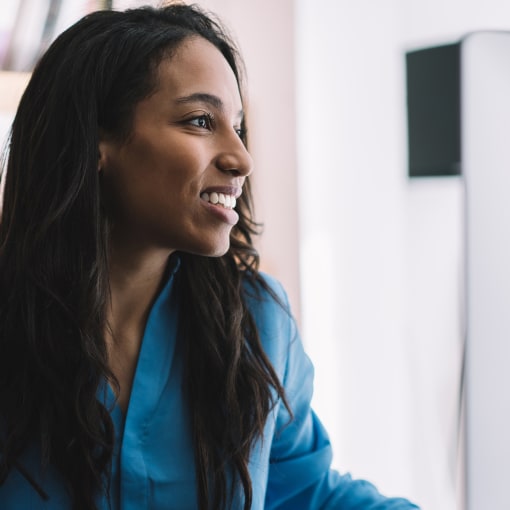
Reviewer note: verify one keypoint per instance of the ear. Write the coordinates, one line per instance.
(105, 148)
(102, 155)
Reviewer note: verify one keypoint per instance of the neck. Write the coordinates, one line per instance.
(135, 280)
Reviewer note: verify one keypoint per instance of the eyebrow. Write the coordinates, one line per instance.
(204, 97)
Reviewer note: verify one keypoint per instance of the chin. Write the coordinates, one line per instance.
(214, 250)
(219, 252)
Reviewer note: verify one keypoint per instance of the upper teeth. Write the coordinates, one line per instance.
(227, 201)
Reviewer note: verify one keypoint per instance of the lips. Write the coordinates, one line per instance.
(220, 202)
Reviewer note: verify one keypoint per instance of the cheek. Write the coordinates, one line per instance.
(173, 169)
(154, 177)
(152, 192)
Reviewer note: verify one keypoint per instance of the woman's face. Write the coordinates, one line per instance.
(172, 185)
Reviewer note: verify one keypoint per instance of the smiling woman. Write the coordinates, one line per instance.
(167, 185)
(144, 360)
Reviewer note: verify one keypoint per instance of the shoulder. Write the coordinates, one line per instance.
(267, 300)
(266, 290)
(269, 306)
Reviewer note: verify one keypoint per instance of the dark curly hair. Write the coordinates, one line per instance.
(54, 276)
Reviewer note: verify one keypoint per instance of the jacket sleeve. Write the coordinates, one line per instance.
(300, 476)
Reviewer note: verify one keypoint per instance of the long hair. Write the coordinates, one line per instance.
(54, 278)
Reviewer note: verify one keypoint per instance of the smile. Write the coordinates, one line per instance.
(227, 201)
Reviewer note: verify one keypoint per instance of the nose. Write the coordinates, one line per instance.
(234, 157)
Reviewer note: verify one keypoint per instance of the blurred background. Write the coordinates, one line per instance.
(372, 259)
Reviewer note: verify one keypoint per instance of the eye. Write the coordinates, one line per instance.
(204, 121)
(241, 133)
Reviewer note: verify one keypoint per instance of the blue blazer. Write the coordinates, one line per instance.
(153, 465)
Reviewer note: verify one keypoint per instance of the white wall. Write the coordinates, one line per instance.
(381, 254)
(352, 179)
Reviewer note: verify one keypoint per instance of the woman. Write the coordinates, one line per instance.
(145, 363)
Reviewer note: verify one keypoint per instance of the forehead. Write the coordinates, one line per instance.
(197, 66)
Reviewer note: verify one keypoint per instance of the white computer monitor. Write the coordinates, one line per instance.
(485, 129)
